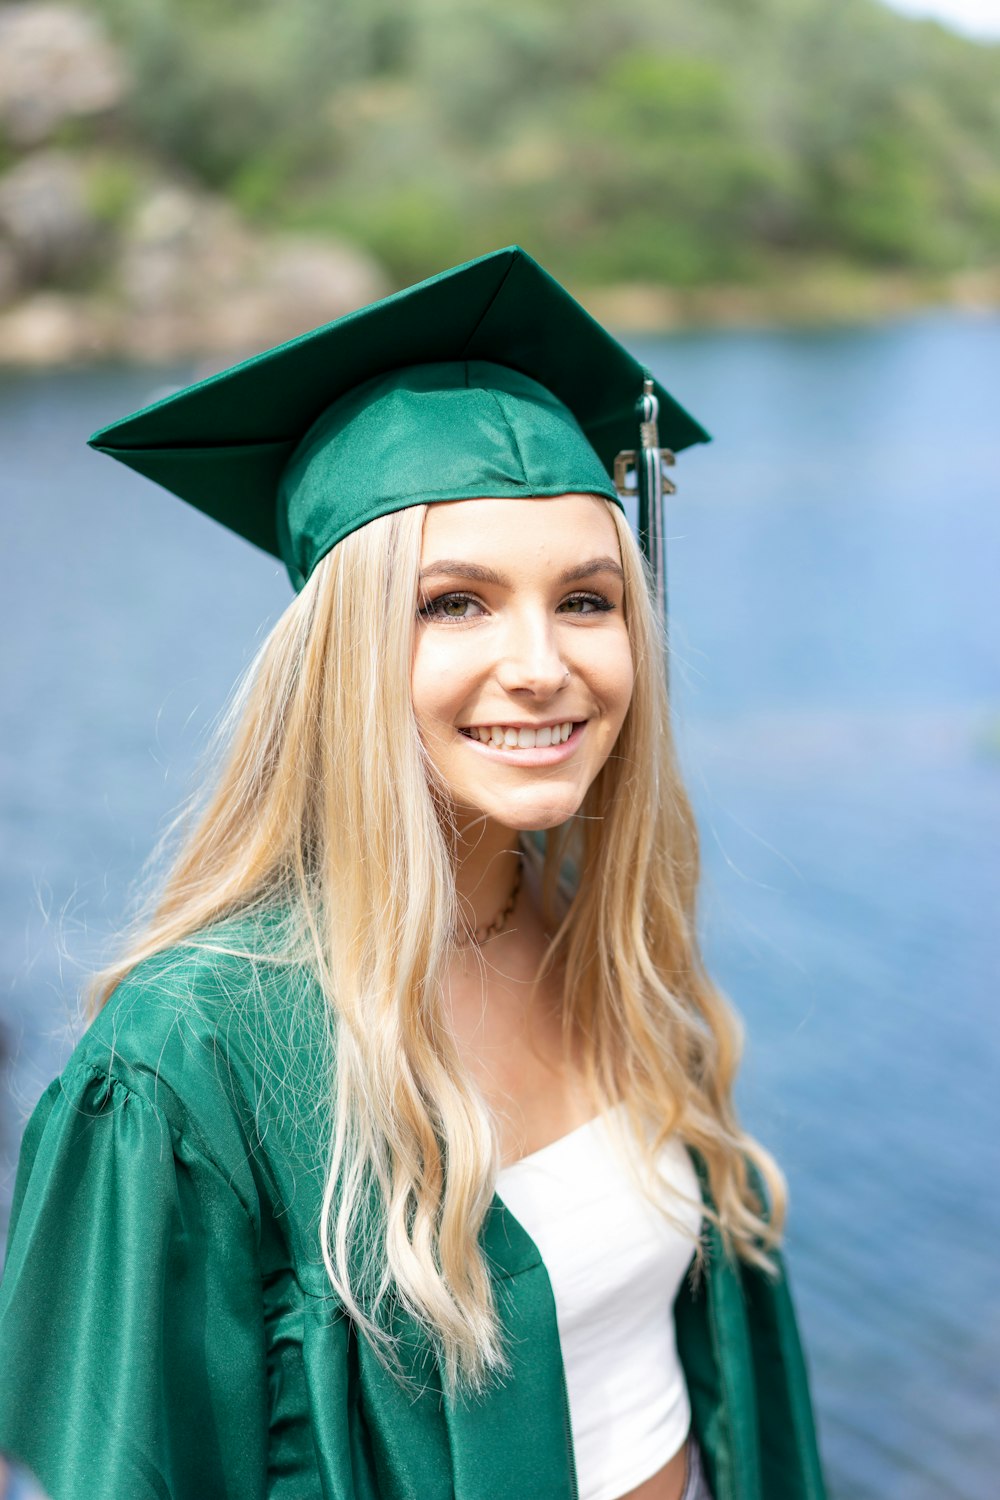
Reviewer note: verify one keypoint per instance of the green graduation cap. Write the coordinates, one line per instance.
(486, 380)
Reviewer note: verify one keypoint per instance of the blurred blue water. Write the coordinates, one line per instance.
(834, 570)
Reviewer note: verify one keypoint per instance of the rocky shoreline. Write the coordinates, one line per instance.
(188, 279)
(807, 298)
(272, 291)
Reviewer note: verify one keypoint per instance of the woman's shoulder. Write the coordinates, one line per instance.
(158, 1228)
(212, 1032)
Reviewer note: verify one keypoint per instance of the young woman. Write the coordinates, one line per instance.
(400, 1158)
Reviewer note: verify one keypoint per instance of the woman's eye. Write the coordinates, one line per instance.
(467, 607)
(586, 604)
(451, 607)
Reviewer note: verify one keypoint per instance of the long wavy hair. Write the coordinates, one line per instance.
(322, 806)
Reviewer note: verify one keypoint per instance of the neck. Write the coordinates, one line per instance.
(486, 864)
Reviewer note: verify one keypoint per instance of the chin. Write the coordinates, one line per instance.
(531, 816)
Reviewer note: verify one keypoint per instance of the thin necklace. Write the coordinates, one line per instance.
(483, 934)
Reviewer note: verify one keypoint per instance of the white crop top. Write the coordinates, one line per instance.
(615, 1265)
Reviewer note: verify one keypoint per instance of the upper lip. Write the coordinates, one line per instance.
(521, 723)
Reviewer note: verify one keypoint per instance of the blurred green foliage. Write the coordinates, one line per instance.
(112, 186)
(702, 141)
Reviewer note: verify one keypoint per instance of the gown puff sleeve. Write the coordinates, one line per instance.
(132, 1345)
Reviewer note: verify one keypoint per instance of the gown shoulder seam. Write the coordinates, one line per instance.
(111, 1083)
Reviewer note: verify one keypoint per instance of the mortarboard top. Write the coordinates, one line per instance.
(488, 379)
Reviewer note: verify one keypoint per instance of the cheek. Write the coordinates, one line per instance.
(437, 681)
(612, 675)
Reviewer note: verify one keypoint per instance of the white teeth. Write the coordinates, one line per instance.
(522, 739)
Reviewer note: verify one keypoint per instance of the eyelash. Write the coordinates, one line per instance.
(431, 609)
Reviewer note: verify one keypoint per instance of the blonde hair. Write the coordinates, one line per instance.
(352, 848)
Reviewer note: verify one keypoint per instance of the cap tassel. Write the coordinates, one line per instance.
(651, 484)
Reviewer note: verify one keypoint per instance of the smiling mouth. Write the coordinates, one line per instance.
(505, 736)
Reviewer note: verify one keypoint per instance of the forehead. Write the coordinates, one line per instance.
(560, 526)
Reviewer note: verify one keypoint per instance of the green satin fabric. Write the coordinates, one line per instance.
(167, 1328)
(433, 432)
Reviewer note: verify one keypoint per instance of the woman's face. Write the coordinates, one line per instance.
(520, 642)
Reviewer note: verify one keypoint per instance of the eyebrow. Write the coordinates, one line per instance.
(454, 568)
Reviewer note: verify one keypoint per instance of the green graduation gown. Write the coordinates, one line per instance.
(167, 1328)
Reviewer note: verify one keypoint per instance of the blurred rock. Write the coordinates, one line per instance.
(181, 251)
(56, 64)
(312, 281)
(185, 276)
(287, 286)
(45, 219)
(182, 274)
(195, 280)
(51, 328)
(10, 281)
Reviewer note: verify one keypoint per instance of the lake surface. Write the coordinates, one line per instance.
(834, 578)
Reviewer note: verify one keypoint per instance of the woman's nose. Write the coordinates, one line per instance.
(531, 661)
